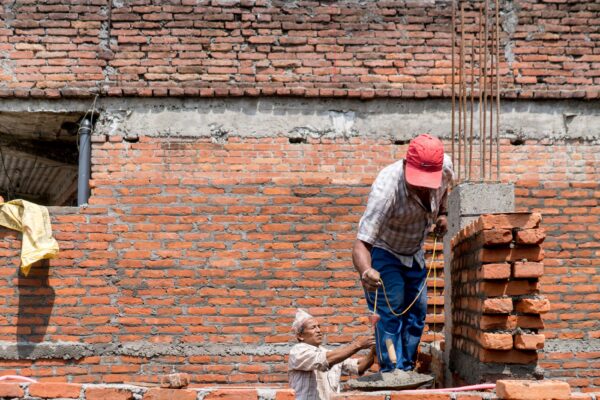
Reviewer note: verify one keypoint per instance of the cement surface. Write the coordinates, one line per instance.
(75, 350)
(393, 119)
(394, 380)
(472, 371)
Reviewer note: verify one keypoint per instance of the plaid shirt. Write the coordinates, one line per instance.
(395, 219)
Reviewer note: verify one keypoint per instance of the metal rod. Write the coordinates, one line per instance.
(497, 91)
(485, 48)
(480, 85)
(492, 54)
(453, 76)
(465, 161)
(462, 118)
(472, 101)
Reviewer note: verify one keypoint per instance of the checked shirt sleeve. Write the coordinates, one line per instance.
(378, 207)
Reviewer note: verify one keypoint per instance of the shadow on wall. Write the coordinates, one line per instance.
(36, 299)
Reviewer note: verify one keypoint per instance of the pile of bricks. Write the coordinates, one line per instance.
(496, 266)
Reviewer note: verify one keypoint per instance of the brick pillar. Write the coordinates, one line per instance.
(496, 323)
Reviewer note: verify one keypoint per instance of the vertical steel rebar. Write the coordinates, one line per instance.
(480, 85)
(497, 91)
(485, 52)
(472, 101)
(491, 137)
(462, 111)
(464, 100)
(453, 77)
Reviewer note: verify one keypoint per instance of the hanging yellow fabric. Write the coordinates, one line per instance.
(34, 222)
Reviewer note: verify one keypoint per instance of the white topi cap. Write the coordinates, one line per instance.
(301, 317)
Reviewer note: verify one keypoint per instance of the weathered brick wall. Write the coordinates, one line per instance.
(496, 264)
(258, 47)
(193, 255)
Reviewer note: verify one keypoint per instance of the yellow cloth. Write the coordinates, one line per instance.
(34, 221)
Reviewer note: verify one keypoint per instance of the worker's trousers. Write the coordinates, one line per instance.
(402, 285)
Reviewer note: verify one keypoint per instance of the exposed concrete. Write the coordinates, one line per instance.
(473, 372)
(393, 380)
(44, 350)
(571, 346)
(75, 350)
(465, 203)
(301, 118)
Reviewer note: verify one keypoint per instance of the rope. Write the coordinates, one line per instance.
(418, 294)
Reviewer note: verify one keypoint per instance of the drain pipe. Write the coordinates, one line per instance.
(85, 155)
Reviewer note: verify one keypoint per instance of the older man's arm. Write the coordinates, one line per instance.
(365, 362)
(341, 353)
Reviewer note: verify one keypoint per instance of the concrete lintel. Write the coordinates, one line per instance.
(393, 119)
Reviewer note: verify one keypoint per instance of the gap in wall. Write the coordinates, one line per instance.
(39, 157)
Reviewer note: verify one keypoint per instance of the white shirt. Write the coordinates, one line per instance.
(310, 375)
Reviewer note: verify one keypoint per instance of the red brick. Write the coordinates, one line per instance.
(530, 236)
(528, 269)
(174, 381)
(529, 341)
(502, 322)
(55, 389)
(171, 394)
(510, 288)
(232, 394)
(510, 221)
(358, 396)
(495, 255)
(495, 237)
(530, 322)
(533, 390)
(495, 271)
(11, 390)
(104, 393)
(508, 356)
(502, 305)
(285, 394)
(496, 341)
(420, 396)
(537, 305)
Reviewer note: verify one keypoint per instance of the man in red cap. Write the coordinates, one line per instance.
(406, 199)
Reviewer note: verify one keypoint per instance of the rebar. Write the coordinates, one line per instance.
(497, 91)
(471, 125)
(453, 75)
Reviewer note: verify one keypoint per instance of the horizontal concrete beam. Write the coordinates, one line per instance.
(393, 119)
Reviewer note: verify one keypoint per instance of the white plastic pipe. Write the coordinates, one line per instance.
(481, 386)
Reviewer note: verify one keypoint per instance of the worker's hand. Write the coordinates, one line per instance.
(365, 342)
(370, 279)
(441, 226)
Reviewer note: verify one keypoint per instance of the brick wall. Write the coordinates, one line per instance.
(259, 47)
(193, 256)
(496, 264)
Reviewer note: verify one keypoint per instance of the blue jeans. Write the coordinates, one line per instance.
(402, 284)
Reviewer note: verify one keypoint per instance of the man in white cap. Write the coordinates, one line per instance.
(406, 199)
(314, 372)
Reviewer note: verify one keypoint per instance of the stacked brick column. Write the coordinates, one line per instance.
(496, 265)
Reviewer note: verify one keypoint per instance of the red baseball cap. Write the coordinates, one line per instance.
(424, 161)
